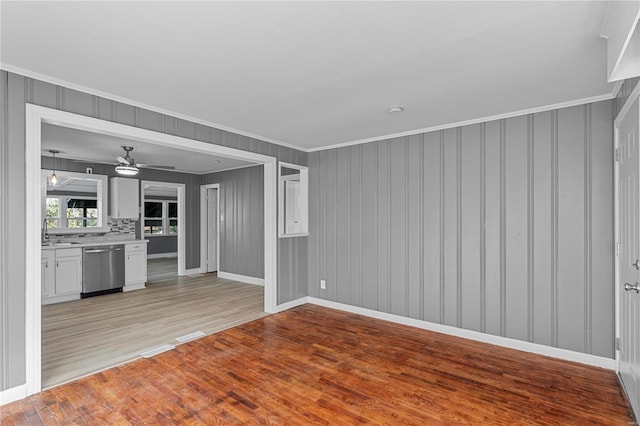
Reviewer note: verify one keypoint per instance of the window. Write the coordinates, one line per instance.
(71, 212)
(160, 217)
(293, 200)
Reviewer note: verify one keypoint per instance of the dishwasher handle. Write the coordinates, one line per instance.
(103, 250)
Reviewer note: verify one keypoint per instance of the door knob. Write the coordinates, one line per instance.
(629, 287)
(636, 264)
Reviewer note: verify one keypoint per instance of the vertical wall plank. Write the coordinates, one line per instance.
(368, 223)
(470, 230)
(602, 297)
(322, 221)
(4, 225)
(571, 277)
(516, 228)
(398, 244)
(451, 212)
(331, 251)
(414, 229)
(431, 219)
(542, 224)
(355, 231)
(313, 238)
(384, 226)
(13, 191)
(343, 225)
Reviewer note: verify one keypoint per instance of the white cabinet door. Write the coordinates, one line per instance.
(68, 275)
(135, 266)
(125, 198)
(48, 277)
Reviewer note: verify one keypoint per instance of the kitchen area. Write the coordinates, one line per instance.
(85, 251)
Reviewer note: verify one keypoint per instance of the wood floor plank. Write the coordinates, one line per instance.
(313, 365)
(88, 335)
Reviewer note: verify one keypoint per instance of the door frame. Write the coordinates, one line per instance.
(181, 216)
(204, 216)
(635, 94)
(35, 116)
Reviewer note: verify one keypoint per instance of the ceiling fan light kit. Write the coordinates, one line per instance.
(126, 170)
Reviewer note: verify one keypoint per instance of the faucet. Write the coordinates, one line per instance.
(45, 230)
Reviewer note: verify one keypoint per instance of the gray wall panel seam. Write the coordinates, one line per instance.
(441, 219)
(4, 142)
(459, 237)
(389, 198)
(530, 227)
(377, 217)
(422, 283)
(407, 308)
(554, 228)
(503, 228)
(483, 230)
(587, 229)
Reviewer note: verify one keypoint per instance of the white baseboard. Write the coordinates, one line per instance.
(242, 278)
(292, 304)
(161, 255)
(13, 394)
(536, 348)
(193, 271)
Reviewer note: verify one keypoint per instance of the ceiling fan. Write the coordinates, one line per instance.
(127, 165)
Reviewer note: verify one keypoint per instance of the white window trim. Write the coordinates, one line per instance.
(62, 218)
(166, 220)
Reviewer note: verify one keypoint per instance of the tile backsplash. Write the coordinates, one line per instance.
(121, 230)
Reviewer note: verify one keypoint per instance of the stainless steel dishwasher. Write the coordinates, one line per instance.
(102, 269)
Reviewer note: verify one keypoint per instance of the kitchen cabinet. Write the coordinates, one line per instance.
(135, 266)
(47, 266)
(61, 275)
(125, 198)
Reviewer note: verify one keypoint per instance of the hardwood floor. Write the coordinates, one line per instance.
(85, 336)
(312, 365)
(162, 269)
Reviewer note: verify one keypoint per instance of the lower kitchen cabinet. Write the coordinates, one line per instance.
(135, 266)
(61, 275)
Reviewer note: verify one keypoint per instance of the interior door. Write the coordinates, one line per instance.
(629, 255)
(212, 230)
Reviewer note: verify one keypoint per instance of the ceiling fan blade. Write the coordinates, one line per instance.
(156, 166)
(123, 160)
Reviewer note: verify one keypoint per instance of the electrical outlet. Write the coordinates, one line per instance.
(323, 284)
(89, 171)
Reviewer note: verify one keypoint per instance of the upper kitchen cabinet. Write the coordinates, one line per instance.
(125, 198)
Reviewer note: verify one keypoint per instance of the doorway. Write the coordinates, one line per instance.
(627, 217)
(35, 117)
(209, 227)
(162, 220)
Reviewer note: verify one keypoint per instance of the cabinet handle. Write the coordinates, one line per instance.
(46, 263)
(57, 264)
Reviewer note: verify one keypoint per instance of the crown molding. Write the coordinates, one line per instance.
(69, 85)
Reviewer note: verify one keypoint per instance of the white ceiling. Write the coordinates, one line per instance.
(315, 74)
(99, 148)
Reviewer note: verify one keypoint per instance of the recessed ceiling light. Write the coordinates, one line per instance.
(396, 108)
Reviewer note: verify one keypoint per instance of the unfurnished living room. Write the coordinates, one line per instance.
(306, 212)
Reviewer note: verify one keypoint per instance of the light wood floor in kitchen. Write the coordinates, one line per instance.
(89, 335)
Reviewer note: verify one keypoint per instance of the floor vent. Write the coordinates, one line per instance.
(190, 336)
(155, 351)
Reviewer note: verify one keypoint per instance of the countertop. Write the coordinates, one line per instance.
(91, 244)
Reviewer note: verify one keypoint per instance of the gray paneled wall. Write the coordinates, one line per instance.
(17, 91)
(503, 227)
(242, 230)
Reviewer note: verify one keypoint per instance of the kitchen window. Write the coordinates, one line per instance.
(71, 212)
(160, 217)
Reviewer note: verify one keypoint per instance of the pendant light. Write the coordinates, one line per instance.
(53, 179)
